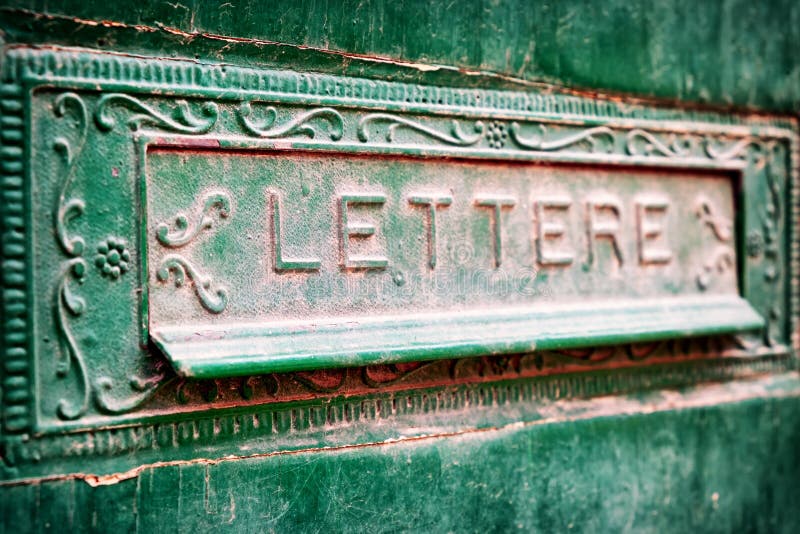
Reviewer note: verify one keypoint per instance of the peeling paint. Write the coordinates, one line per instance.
(555, 413)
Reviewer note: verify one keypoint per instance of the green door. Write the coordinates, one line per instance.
(410, 266)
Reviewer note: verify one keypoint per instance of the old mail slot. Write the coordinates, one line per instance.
(240, 287)
(169, 221)
(273, 260)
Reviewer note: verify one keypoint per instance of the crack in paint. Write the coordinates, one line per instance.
(159, 27)
(580, 410)
(545, 87)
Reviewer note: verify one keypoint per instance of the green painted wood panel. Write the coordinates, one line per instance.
(731, 467)
(730, 52)
(629, 438)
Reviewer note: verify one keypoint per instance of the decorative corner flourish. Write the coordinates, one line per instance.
(214, 299)
(219, 200)
(112, 259)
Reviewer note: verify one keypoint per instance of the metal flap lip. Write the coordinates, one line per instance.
(234, 349)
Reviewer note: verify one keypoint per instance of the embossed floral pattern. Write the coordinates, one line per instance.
(115, 115)
(496, 134)
(113, 258)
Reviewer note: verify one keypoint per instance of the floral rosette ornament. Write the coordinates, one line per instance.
(113, 258)
(496, 134)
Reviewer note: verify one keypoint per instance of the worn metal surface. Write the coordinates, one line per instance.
(143, 240)
(342, 260)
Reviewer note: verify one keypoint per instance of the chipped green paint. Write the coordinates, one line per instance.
(686, 469)
(730, 52)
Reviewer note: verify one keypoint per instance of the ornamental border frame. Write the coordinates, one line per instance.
(29, 68)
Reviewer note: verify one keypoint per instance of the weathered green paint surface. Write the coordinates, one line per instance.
(727, 468)
(99, 431)
(731, 52)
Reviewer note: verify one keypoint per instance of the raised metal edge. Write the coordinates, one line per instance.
(236, 350)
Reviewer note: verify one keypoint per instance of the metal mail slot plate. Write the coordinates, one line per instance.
(305, 260)
(166, 220)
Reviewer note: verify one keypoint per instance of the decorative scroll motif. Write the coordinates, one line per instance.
(377, 376)
(69, 209)
(298, 125)
(282, 387)
(643, 143)
(144, 388)
(214, 299)
(722, 258)
(253, 385)
(325, 381)
(594, 137)
(208, 390)
(736, 150)
(722, 227)
(182, 119)
(497, 133)
(190, 391)
(772, 220)
(591, 356)
(456, 137)
(215, 200)
(68, 304)
(65, 303)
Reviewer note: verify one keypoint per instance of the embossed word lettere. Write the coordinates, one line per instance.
(330, 257)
